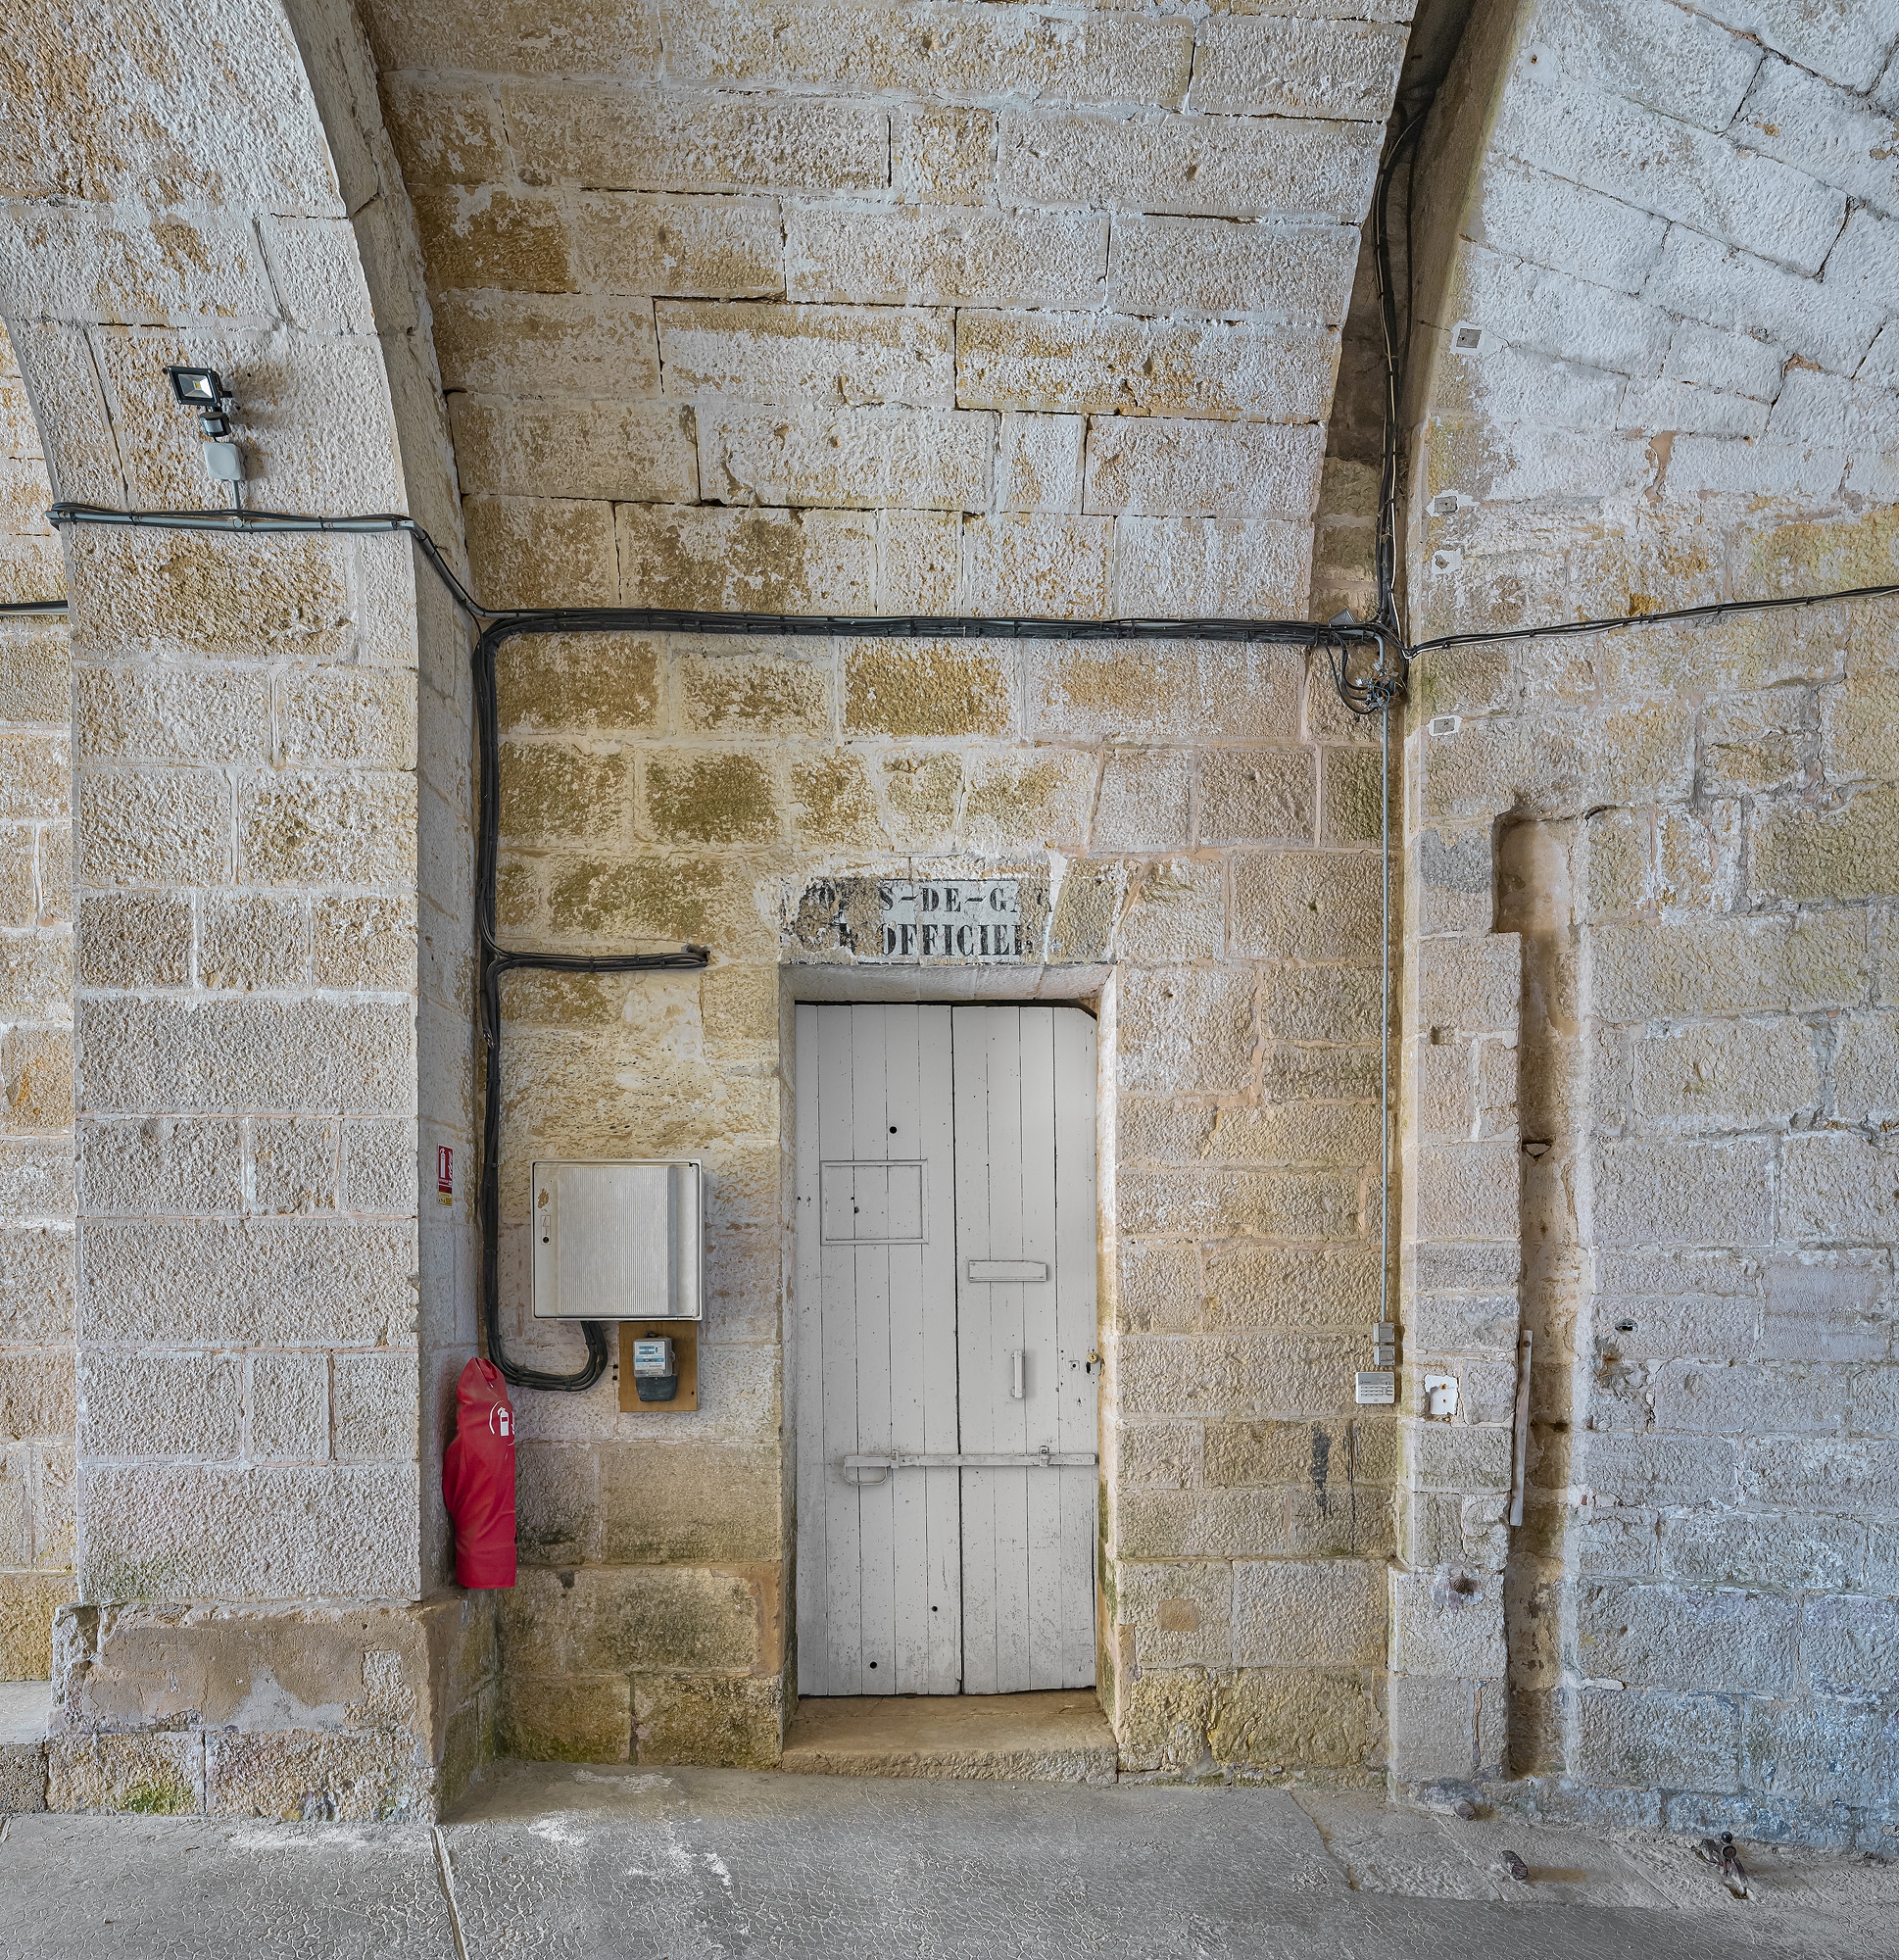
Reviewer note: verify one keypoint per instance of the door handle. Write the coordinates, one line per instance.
(1007, 1272)
(1018, 1374)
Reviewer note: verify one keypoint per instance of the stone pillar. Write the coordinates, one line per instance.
(254, 1542)
(36, 1064)
(1448, 1704)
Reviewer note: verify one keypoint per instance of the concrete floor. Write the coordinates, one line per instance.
(547, 1860)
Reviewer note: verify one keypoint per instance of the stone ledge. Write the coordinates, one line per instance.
(1058, 1736)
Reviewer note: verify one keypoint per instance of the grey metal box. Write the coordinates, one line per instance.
(618, 1241)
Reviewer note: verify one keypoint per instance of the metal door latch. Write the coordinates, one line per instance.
(1047, 1457)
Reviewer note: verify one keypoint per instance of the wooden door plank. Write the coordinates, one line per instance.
(813, 1537)
(844, 1578)
(1077, 1306)
(939, 1606)
(981, 1346)
(1037, 1664)
(1025, 1107)
(879, 1279)
(880, 1563)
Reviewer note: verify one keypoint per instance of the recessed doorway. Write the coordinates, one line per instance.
(945, 1366)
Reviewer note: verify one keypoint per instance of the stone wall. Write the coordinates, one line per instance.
(935, 307)
(35, 1063)
(1677, 250)
(943, 306)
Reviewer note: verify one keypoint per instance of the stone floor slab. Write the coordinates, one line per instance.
(575, 1863)
(201, 1889)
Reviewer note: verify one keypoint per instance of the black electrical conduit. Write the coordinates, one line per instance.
(497, 626)
(1367, 687)
(1367, 693)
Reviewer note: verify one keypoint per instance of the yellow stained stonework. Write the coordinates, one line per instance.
(938, 308)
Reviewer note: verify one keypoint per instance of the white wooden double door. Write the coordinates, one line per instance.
(946, 1313)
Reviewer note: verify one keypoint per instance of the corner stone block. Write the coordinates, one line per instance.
(1164, 1720)
(1438, 1631)
(1469, 1191)
(1272, 1716)
(569, 1718)
(1305, 1613)
(1432, 1727)
(1472, 985)
(1449, 1456)
(731, 1722)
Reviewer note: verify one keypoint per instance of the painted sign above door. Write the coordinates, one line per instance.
(909, 921)
(947, 918)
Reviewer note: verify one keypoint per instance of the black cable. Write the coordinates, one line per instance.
(1396, 344)
(498, 960)
(1385, 634)
(680, 619)
(1563, 629)
(266, 524)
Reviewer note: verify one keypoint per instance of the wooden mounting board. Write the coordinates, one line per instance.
(684, 1335)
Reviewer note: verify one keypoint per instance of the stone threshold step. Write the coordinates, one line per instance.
(1059, 1736)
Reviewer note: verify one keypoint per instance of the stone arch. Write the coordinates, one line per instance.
(918, 309)
(1654, 343)
(271, 891)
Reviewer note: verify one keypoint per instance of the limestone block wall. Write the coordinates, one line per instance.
(720, 289)
(1209, 824)
(937, 308)
(35, 1064)
(1660, 373)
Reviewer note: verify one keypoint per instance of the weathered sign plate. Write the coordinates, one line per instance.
(977, 920)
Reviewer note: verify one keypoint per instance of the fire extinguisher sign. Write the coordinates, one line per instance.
(444, 1174)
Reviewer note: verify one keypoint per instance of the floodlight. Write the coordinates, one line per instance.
(197, 387)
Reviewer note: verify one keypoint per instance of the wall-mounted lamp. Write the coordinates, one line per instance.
(202, 389)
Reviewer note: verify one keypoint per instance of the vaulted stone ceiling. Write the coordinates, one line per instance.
(901, 307)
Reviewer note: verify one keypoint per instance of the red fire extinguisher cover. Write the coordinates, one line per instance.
(478, 1477)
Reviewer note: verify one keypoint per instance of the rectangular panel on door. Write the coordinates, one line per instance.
(945, 1309)
(1025, 1200)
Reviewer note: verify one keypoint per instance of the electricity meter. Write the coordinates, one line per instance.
(655, 1374)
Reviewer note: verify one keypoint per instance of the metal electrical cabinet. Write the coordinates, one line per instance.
(618, 1241)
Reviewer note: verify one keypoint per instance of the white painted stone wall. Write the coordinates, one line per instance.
(1682, 250)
